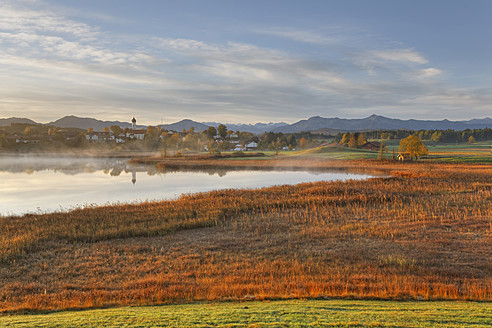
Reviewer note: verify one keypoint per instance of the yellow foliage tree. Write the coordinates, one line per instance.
(413, 146)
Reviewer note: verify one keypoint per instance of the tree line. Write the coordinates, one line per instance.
(445, 136)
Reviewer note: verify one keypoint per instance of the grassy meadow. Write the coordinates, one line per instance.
(423, 231)
(296, 313)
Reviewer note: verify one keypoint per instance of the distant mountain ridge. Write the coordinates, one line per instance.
(253, 128)
(376, 122)
(87, 123)
(315, 123)
(184, 125)
(19, 120)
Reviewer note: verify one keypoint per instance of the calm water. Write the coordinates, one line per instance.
(30, 184)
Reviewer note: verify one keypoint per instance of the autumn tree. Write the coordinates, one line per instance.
(222, 130)
(471, 140)
(413, 146)
(116, 130)
(303, 143)
(436, 136)
(28, 131)
(361, 140)
(175, 141)
(191, 141)
(345, 138)
(106, 130)
(352, 143)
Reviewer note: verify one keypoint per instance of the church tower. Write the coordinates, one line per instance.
(134, 121)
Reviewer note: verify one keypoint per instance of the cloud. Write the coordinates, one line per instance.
(16, 16)
(429, 72)
(57, 66)
(397, 55)
(298, 35)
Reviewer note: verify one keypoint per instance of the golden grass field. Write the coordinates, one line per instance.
(422, 232)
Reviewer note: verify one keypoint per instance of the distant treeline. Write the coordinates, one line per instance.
(447, 136)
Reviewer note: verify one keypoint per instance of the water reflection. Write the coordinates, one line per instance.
(46, 184)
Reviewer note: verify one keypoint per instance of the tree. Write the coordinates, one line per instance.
(116, 130)
(292, 141)
(471, 140)
(436, 136)
(152, 137)
(413, 146)
(28, 131)
(175, 141)
(361, 140)
(3, 140)
(381, 151)
(303, 143)
(191, 141)
(352, 143)
(90, 130)
(164, 143)
(222, 130)
(346, 138)
(106, 130)
(211, 132)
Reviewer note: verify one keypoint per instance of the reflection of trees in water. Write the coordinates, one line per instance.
(66, 165)
(221, 172)
(116, 171)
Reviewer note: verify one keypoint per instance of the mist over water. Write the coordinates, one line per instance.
(34, 184)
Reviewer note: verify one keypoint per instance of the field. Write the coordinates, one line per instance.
(479, 152)
(302, 313)
(421, 232)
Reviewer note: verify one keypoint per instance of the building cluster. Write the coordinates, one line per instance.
(232, 138)
(111, 137)
(235, 141)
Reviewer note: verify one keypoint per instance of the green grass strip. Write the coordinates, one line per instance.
(293, 313)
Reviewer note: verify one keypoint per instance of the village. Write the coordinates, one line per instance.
(152, 137)
(23, 137)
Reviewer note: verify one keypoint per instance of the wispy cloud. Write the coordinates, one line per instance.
(298, 35)
(398, 55)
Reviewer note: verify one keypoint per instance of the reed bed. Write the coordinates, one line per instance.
(424, 231)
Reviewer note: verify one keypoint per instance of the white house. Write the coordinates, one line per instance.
(136, 134)
(252, 145)
(92, 136)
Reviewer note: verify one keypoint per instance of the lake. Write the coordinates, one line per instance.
(39, 184)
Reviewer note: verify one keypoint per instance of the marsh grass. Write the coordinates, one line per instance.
(422, 232)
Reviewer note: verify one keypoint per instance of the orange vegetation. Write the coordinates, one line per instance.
(424, 231)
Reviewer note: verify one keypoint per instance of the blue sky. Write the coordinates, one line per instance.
(245, 61)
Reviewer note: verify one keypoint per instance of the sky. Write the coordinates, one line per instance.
(245, 61)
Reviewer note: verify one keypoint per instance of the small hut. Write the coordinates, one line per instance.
(404, 157)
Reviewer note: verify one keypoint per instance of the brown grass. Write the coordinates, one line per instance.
(424, 232)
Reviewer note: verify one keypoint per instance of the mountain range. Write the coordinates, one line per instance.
(377, 122)
(313, 124)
